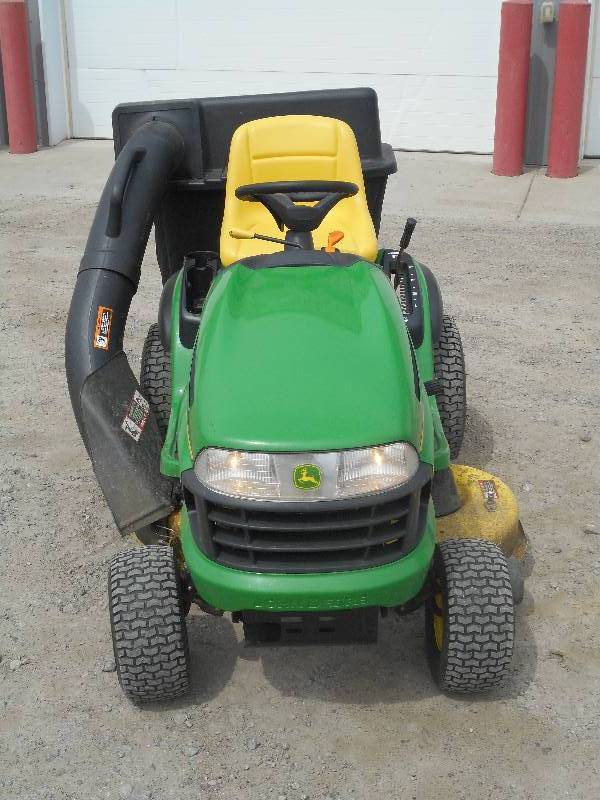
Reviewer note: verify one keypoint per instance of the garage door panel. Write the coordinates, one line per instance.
(106, 34)
(417, 112)
(438, 113)
(433, 65)
(426, 38)
(95, 93)
(592, 141)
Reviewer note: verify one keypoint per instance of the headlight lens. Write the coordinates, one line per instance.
(306, 476)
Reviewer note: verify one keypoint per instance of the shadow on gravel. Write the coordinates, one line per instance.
(478, 444)
(394, 670)
(214, 651)
(390, 671)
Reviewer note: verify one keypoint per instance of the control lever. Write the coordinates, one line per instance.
(409, 227)
(333, 238)
(238, 233)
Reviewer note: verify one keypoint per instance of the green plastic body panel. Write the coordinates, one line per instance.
(426, 424)
(424, 356)
(235, 590)
(300, 359)
(303, 358)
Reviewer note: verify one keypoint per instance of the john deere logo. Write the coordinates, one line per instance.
(307, 476)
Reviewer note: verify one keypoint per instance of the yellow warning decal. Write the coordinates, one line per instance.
(103, 324)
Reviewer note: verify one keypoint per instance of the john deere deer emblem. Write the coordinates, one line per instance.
(307, 476)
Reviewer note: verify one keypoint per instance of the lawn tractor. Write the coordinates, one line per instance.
(286, 455)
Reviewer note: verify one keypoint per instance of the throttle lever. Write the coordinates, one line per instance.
(409, 227)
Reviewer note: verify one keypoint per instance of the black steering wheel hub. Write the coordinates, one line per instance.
(285, 200)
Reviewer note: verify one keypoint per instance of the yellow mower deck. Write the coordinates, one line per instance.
(488, 511)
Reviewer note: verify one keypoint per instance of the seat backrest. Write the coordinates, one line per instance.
(295, 147)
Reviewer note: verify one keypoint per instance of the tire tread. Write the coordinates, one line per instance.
(479, 635)
(449, 368)
(155, 377)
(147, 623)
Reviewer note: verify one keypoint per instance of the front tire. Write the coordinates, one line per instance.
(469, 618)
(147, 622)
(449, 368)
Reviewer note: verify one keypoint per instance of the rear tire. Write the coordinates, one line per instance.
(147, 622)
(449, 368)
(469, 619)
(155, 377)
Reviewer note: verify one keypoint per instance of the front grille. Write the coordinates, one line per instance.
(248, 538)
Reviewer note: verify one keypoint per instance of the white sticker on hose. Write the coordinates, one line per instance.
(136, 416)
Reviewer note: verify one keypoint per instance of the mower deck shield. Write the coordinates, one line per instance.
(488, 511)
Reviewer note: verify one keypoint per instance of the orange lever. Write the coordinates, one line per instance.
(332, 239)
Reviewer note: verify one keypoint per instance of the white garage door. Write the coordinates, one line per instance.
(592, 138)
(432, 62)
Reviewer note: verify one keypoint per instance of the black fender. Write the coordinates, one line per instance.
(412, 309)
(165, 311)
(436, 305)
(116, 424)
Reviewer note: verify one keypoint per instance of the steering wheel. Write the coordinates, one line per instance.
(281, 198)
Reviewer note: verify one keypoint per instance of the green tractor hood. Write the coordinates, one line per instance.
(303, 358)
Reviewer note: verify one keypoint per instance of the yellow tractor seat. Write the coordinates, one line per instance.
(294, 148)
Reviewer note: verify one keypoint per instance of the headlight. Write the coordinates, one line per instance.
(306, 476)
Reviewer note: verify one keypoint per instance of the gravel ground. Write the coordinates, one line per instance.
(346, 722)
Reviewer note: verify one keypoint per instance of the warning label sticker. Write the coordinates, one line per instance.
(136, 417)
(490, 494)
(102, 332)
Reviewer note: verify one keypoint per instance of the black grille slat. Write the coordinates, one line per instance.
(306, 544)
(250, 537)
(246, 534)
(324, 561)
(369, 535)
(302, 523)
